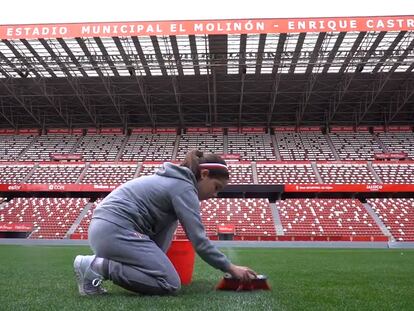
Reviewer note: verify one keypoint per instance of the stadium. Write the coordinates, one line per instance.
(313, 115)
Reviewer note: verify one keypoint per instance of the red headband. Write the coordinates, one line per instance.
(217, 166)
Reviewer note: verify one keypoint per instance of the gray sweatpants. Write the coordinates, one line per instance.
(135, 262)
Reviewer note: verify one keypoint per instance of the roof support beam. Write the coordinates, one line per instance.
(174, 45)
(312, 78)
(84, 101)
(217, 46)
(242, 53)
(72, 81)
(87, 53)
(215, 98)
(243, 77)
(351, 53)
(379, 84)
(345, 82)
(146, 100)
(104, 52)
(338, 96)
(402, 99)
(260, 51)
(7, 117)
(41, 84)
(333, 52)
(279, 50)
(194, 54)
(105, 80)
(53, 101)
(23, 59)
(272, 104)
(389, 51)
(36, 55)
(178, 100)
(212, 103)
(141, 56)
(305, 98)
(4, 73)
(158, 55)
(296, 53)
(138, 79)
(315, 53)
(72, 57)
(11, 65)
(21, 101)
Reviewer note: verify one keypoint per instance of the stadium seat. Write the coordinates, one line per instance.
(109, 174)
(250, 217)
(326, 217)
(355, 146)
(251, 146)
(14, 174)
(11, 146)
(54, 173)
(285, 174)
(397, 214)
(149, 147)
(51, 217)
(303, 146)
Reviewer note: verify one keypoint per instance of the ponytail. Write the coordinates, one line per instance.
(195, 160)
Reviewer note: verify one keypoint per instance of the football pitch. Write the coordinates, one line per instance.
(41, 278)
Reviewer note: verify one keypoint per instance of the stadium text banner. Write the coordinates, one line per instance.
(214, 27)
(287, 188)
(349, 188)
(16, 227)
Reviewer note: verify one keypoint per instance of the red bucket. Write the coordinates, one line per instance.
(181, 254)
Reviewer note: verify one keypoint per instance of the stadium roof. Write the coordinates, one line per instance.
(341, 71)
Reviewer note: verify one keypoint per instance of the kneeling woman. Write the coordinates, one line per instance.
(132, 228)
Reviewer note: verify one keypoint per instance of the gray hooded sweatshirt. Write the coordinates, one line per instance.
(150, 204)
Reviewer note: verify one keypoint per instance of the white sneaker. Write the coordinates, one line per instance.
(89, 282)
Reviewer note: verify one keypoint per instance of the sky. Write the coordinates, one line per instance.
(78, 11)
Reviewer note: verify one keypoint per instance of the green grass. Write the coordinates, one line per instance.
(41, 278)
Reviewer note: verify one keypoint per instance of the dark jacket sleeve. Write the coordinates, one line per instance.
(187, 208)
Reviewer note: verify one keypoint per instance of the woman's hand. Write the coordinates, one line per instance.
(244, 274)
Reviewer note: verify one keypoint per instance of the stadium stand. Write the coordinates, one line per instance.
(250, 217)
(251, 146)
(331, 217)
(51, 217)
(109, 174)
(14, 173)
(398, 141)
(56, 173)
(149, 147)
(355, 146)
(285, 173)
(397, 214)
(46, 145)
(149, 169)
(395, 173)
(209, 143)
(345, 173)
(98, 147)
(240, 173)
(303, 146)
(82, 229)
(11, 146)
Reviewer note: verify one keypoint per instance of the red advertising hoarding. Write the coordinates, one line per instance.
(391, 156)
(225, 229)
(66, 157)
(16, 227)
